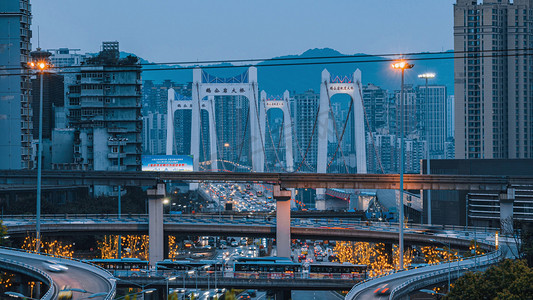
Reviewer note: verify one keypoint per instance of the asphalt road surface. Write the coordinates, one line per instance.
(74, 277)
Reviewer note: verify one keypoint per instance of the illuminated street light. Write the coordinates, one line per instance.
(401, 65)
(427, 76)
(169, 279)
(39, 60)
(147, 291)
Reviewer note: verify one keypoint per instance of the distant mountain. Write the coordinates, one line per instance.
(297, 74)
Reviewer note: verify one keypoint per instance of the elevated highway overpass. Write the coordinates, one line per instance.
(285, 180)
(324, 229)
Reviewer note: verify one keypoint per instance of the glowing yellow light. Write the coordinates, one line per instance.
(32, 64)
(42, 66)
(401, 65)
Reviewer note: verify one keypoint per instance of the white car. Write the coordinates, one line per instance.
(53, 266)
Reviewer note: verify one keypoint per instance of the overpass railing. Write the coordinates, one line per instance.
(452, 272)
(438, 268)
(95, 269)
(16, 266)
(298, 221)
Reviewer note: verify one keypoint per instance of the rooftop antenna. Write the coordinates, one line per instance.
(38, 38)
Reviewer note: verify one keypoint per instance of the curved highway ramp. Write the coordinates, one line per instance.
(76, 275)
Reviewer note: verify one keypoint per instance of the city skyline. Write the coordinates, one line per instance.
(177, 35)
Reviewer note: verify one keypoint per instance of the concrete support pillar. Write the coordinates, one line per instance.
(155, 223)
(293, 193)
(195, 123)
(170, 122)
(359, 125)
(256, 135)
(287, 132)
(282, 295)
(212, 133)
(323, 117)
(506, 211)
(283, 221)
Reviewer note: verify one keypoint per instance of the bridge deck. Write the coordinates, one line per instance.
(286, 180)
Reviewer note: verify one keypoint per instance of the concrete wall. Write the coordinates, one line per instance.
(449, 207)
(63, 145)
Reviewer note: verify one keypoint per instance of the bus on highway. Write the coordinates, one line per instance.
(201, 266)
(338, 271)
(265, 267)
(123, 267)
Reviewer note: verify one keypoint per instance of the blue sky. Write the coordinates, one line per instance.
(175, 30)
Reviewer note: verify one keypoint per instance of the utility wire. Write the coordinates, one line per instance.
(450, 55)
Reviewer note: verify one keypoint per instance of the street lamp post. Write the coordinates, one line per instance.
(119, 141)
(427, 76)
(169, 279)
(401, 65)
(449, 261)
(40, 62)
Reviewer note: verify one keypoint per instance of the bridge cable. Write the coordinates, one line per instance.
(218, 144)
(342, 135)
(281, 133)
(271, 138)
(369, 129)
(310, 139)
(200, 119)
(243, 139)
(295, 136)
(259, 126)
(335, 129)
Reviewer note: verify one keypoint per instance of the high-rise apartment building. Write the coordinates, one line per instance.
(450, 117)
(15, 102)
(53, 98)
(104, 106)
(493, 79)
(65, 57)
(375, 100)
(412, 110)
(433, 117)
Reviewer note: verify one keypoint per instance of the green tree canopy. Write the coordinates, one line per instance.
(3, 234)
(509, 280)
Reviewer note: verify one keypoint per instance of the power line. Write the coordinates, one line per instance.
(342, 60)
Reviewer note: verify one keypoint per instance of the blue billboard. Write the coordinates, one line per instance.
(167, 163)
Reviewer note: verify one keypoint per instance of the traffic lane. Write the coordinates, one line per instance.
(368, 293)
(74, 277)
(315, 295)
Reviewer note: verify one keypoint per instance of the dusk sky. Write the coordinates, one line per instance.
(169, 31)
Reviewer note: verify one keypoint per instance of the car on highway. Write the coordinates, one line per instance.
(382, 290)
(245, 296)
(53, 266)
